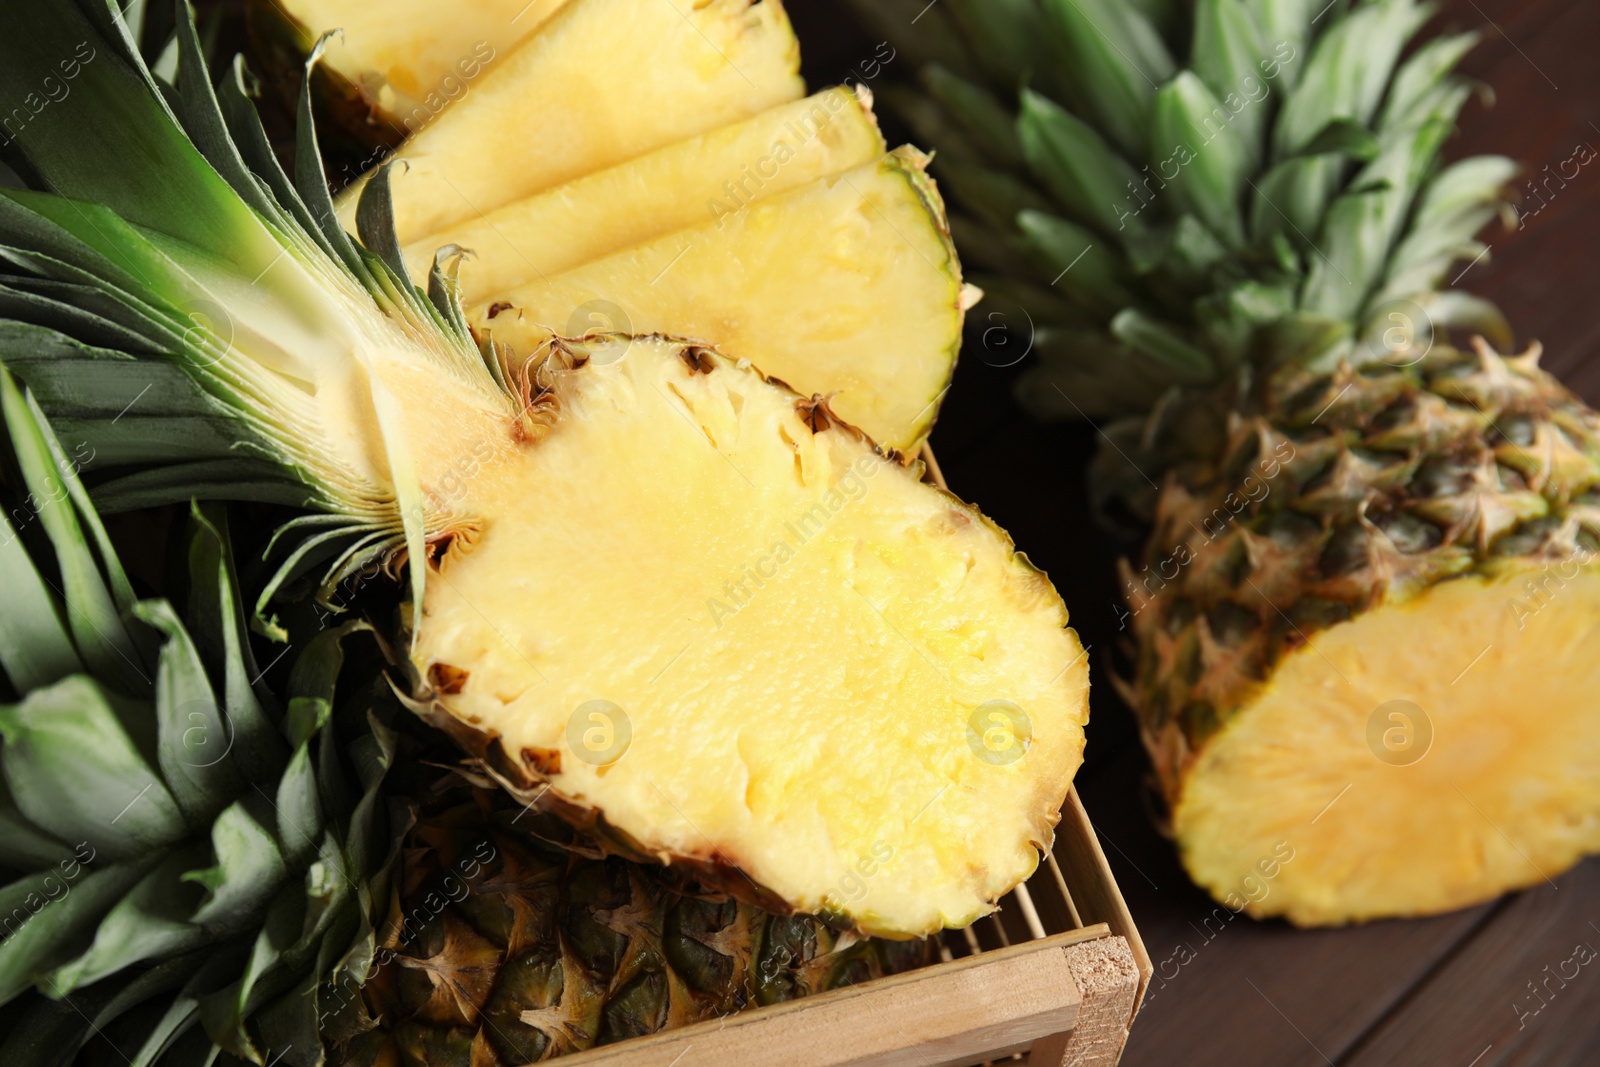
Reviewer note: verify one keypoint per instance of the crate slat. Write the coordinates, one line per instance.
(947, 1015)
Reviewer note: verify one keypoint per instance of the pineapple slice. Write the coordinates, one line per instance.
(401, 60)
(616, 617)
(1374, 776)
(602, 82)
(848, 287)
(675, 187)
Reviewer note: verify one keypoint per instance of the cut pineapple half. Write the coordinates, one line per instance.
(409, 58)
(848, 287)
(686, 183)
(620, 615)
(602, 82)
(1374, 776)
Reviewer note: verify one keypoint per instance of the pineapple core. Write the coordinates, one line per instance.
(1434, 752)
(699, 604)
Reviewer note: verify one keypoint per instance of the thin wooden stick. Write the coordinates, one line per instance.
(1030, 914)
(1066, 894)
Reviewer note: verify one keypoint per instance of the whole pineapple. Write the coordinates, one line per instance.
(511, 941)
(1365, 617)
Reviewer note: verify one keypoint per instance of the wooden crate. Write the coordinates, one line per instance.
(1052, 979)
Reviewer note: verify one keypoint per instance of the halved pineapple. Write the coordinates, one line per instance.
(848, 287)
(603, 81)
(399, 61)
(617, 614)
(684, 184)
(1429, 755)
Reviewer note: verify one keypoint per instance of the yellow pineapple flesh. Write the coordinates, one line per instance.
(847, 287)
(601, 82)
(615, 620)
(681, 185)
(1366, 641)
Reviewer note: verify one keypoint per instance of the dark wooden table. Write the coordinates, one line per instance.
(1454, 990)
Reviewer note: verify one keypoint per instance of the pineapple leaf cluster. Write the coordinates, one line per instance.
(185, 856)
(1176, 195)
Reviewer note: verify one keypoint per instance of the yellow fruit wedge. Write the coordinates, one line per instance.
(687, 183)
(618, 622)
(847, 287)
(603, 81)
(1370, 777)
(403, 58)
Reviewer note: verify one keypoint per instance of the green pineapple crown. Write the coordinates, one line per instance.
(183, 859)
(1175, 195)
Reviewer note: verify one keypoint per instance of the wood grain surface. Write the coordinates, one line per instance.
(1243, 993)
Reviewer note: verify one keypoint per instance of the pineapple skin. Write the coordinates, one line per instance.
(511, 940)
(1345, 491)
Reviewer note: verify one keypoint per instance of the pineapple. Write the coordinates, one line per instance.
(186, 860)
(1363, 621)
(511, 942)
(258, 829)
(394, 67)
(706, 201)
(604, 547)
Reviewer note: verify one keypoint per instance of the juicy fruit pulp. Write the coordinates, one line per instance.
(602, 82)
(877, 329)
(621, 615)
(1373, 641)
(513, 942)
(702, 199)
(402, 57)
(1437, 775)
(681, 185)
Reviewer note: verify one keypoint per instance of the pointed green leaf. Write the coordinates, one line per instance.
(23, 846)
(47, 917)
(986, 122)
(35, 643)
(1285, 29)
(1362, 226)
(218, 966)
(298, 808)
(1082, 264)
(1209, 156)
(444, 289)
(1348, 71)
(1289, 201)
(224, 1011)
(164, 184)
(216, 619)
(77, 774)
(248, 872)
(150, 922)
(1010, 39)
(194, 737)
(90, 597)
(1421, 74)
(1162, 344)
(1344, 137)
(1231, 58)
(375, 221)
(1095, 185)
(1117, 60)
(1455, 205)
